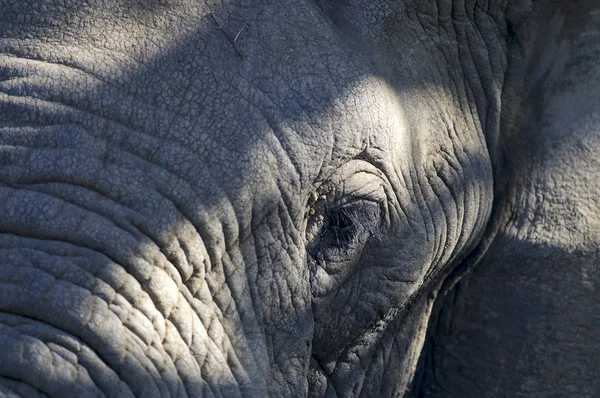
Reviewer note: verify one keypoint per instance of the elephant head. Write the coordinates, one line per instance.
(242, 198)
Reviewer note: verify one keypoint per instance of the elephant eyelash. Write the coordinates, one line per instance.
(349, 221)
(344, 229)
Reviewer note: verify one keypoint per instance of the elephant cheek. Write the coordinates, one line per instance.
(383, 359)
(399, 365)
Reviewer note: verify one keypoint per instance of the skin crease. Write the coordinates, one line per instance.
(533, 333)
(243, 199)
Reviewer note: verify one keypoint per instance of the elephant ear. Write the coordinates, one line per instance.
(525, 320)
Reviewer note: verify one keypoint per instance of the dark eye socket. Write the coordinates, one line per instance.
(341, 219)
(340, 232)
(348, 225)
(343, 225)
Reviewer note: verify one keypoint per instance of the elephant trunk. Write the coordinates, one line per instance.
(104, 285)
(106, 288)
(74, 322)
(39, 358)
(122, 241)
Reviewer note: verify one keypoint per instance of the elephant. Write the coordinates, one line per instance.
(320, 198)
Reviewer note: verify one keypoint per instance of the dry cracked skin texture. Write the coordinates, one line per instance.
(266, 198)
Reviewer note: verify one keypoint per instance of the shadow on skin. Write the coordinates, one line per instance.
(176, 141)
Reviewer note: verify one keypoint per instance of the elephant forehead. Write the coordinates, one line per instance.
(224, 90)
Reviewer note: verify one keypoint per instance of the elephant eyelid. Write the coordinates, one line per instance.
(341, 222)
(356, 217)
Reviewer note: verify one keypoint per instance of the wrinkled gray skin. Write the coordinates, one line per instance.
(277, 198)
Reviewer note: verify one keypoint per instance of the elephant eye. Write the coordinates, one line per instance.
(344, 230)
(344, 225)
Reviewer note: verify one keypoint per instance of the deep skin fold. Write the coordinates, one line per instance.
(167, 155)
(150, 185)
